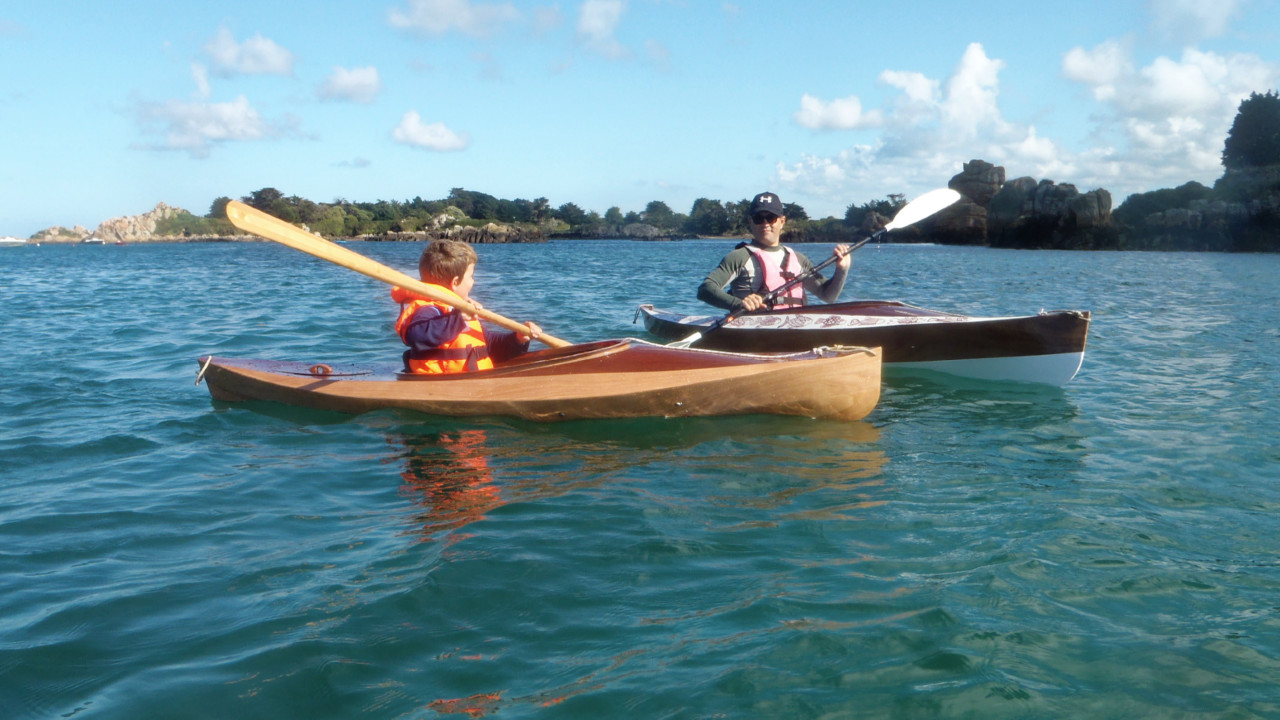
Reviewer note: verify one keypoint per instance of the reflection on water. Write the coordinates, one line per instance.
(447, 474)
(678, 433)
(457, 474)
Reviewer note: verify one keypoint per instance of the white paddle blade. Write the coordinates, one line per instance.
(687, 341)
(922, 207)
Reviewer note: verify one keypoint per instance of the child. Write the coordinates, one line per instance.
(442, 339)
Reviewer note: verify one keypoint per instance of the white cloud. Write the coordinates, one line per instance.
(194, 127)
(1189, 21)
(255, 56)
(1170, 119)
(597, 22)
(842, 114)
(434, 136)
(200, 75)
(360, 85)
(916, 87)
(1172, 88)
(930, 130)
(1156, 126)
(437, 17)
(970, 102)
(1103, 67)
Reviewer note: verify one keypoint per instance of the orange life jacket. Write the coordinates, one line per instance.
(771, 277)
(465, 353)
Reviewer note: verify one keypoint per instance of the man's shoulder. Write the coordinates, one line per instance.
(739, 255)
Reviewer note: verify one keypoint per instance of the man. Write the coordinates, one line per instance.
(752, 270)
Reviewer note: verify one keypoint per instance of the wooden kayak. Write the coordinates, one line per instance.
(605, 379)
(1043, 348)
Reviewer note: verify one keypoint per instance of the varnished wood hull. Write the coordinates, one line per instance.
(608, 379)
(1044, 348)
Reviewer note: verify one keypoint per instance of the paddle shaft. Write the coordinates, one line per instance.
(272, 228)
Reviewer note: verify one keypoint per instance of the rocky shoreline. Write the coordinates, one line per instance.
(142, 229)
(1240, 213)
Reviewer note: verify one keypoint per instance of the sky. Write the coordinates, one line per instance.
(105, 112)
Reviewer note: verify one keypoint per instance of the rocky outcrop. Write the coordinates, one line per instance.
(59, 234)
(1203, 225)
(1019, 213)
(1030, 214)
(490, 233)
(965, 223)
(128, 229)
(630, 231)
(1240, 214)
(642, 231)
(978, 182)
(136, 228)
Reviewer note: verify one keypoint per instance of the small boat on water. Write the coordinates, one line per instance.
(605, 379)
(1044, 348)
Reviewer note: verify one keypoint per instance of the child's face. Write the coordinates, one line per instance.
(462, 285)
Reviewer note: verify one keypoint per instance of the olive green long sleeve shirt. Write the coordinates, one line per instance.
(737, 271)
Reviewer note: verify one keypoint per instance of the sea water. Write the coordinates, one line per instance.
(1107, 549)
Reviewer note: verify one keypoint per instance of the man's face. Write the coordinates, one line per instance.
(766, 228)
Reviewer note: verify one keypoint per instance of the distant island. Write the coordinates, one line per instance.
(1240, 213)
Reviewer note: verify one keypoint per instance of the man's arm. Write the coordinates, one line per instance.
(828, 291)
(712, 292)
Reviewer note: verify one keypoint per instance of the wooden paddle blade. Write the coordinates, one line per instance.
(272, 228)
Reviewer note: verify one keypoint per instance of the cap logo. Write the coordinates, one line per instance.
(766, 198)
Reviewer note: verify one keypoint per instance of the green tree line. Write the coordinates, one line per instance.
(343, 218)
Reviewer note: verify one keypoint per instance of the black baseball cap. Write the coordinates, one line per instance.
(767, 202)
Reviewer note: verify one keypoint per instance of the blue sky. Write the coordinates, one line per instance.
(106, 112)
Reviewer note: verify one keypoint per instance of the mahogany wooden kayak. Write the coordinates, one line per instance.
(1044, 348)
(605, 379)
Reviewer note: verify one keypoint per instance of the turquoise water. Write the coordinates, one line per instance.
(1108, 549)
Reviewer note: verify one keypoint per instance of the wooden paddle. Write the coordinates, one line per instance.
(922, 207)
(259, 223)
